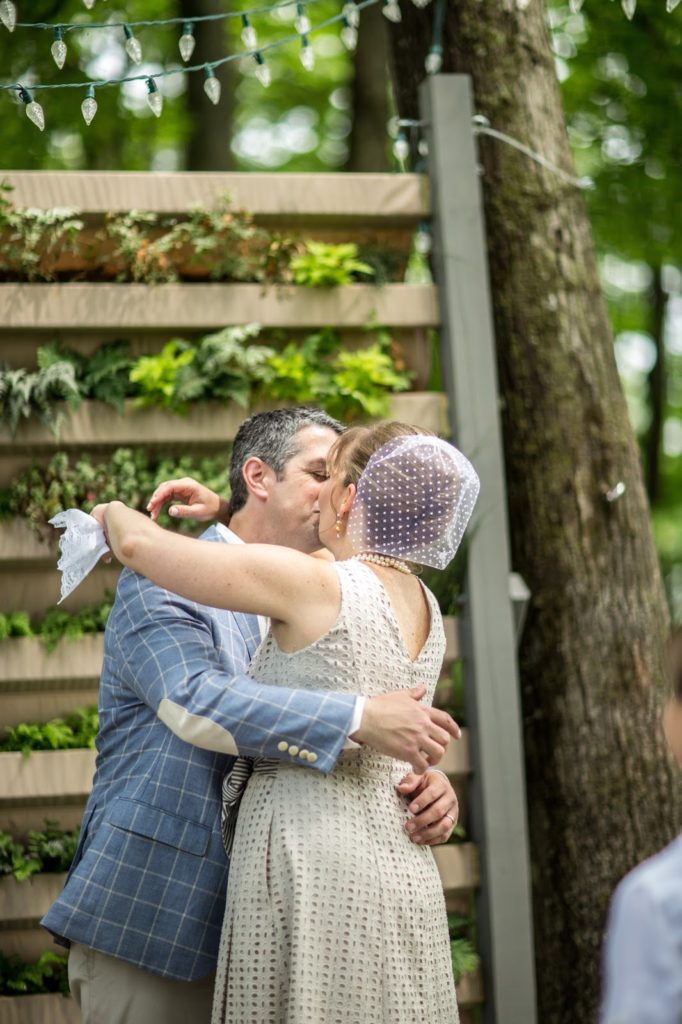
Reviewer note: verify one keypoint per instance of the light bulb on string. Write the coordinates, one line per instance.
(249, 35)
(671, 5)
(154, 97)
(301, 21)
(89, 4)
(34, 111)
(349, 35)
(575, 6)
(89, 105)
(187, 42)
(133, 48)
(391, 10)
(262, 70)
(351, 14)
(58, 48)
(421, 3)
(423, 243)
(629, 7)
(8, 14)
(211, 85)
(401, 148)
(434, 60)
(307, 55)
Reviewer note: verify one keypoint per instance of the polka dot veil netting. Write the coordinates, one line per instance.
(414, 500)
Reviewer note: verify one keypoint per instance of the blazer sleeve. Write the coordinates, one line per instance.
(166, 650)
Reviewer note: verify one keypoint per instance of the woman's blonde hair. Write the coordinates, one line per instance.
(351, 452)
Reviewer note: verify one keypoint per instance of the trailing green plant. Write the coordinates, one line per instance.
(465, 959)
(34, 240)
(57, 624)
(77, 730)
(225, 367)
(48, 974)
(15, 624)
(156, 376)
(40, 393)
(131, 474)
(324, 265)
(48, 851)
(103, 376)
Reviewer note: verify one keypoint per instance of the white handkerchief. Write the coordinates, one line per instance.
(82, 545)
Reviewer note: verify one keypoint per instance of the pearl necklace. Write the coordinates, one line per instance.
(387, 560)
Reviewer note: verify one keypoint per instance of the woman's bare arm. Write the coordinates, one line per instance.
(257, 578)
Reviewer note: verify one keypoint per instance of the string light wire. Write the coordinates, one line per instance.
(481, 126)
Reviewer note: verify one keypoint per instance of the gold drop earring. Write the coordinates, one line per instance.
(338, 525)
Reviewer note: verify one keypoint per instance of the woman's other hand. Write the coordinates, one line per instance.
(433, 805)
(188, 499)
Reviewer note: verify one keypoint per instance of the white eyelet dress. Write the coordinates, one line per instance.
(333, 915)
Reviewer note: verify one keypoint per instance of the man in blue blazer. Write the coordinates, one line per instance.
(143, 902)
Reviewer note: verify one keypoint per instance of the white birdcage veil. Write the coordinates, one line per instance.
(414, 500)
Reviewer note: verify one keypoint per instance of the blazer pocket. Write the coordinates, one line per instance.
(161, 826)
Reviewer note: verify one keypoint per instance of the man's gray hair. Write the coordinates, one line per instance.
(272, 437)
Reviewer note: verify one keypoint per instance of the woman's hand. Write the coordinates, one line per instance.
(196, 501)
(434, 806)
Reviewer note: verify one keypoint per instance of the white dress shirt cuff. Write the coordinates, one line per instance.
(355, 722)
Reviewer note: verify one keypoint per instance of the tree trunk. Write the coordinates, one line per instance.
(656, 385)
(368, 143)
(601, 790)
(208, 144)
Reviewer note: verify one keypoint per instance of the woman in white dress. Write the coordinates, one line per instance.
(334, 916)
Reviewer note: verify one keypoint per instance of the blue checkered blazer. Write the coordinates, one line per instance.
(148, 880)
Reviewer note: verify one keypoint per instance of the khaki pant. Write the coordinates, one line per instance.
(112, 991)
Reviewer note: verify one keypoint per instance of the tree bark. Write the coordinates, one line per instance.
(602, 793)
(370, 111)
(656, 385)
(208, 144)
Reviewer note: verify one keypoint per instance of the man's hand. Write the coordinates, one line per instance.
(196, 501)
(434, 806)
(397, 725)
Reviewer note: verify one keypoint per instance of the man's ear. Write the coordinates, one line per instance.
(256, 475)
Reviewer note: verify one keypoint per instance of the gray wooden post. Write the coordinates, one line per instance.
(498, 806)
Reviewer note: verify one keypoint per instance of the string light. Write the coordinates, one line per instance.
(89, 105)
(575, 6)
(351, 14)
(434, 58)
(629, 7)
(671, 5)
(34, 111)
(262, 70)
(89, 4)
(307, 55)
(8, 14)
(391, 10)
(349, 35)
(481, 126)
(58, 48)
(401, 148)
(133, 48)
(301, 21)
(423, 243)
(212, 85)
(187, 42)
(154, 97)
(249, 34)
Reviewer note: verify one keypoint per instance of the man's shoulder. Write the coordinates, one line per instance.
(655, 882)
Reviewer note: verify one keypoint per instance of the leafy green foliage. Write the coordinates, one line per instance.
(33, 241)
(102, 376)
(130, 475)
(15, 624)
(39, 393)
(465, 959)
(50, 850)
(322, 265)
(77, 730)
(156, 376)
(225, 367)
(48, 974)
(58, 624)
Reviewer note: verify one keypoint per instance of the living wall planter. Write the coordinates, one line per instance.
(46, 774)
(193, 307)
(25, 662)
(458, 866)
(47, 1009)
(23, 903)
(456, 761)
(96, 424)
